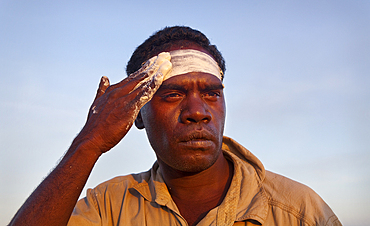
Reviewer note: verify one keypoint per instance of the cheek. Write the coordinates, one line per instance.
(155, 119)
(158, 128)
(220, 114)
(147, 116)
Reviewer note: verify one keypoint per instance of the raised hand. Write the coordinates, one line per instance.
(116, 107)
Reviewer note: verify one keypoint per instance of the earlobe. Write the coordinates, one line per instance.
(139, 121)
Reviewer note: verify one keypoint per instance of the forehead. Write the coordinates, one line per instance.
(198, 78)
(189, 80)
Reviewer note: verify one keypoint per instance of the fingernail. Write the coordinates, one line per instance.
(162, 57)
(105, 80)
(165, 68)
(165, 55)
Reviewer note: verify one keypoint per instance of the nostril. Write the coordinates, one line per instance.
(198, 118)
(191, 120)
(207, 118)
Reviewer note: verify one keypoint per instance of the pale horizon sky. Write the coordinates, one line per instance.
(296, 86)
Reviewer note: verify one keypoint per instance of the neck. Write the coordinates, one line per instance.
(195, 194)
(217, 175)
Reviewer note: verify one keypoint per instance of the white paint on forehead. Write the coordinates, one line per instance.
(191, 60)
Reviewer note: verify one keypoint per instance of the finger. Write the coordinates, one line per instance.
(138, 75)
(146, 91)
(103, 85)
(144, 67)
(143, 75)
(162, 59)
(147, 71)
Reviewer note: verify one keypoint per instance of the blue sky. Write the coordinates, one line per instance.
(296, 85)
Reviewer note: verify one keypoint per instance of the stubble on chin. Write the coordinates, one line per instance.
(193, 164)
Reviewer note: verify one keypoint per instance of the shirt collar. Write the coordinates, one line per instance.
(245, 199)
(246, 186)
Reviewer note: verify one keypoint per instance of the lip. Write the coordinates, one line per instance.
(197, 144)
(197, 139)
(196, 135)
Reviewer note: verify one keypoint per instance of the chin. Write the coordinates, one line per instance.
(194, 169)
(193, 165)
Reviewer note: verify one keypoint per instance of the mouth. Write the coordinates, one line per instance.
(197, 140)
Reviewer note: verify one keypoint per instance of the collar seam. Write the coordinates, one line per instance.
(289, 209)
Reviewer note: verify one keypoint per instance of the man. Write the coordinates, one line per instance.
(174, 90)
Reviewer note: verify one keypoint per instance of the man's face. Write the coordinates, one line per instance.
(184, 121)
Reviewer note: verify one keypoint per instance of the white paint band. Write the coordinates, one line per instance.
(190, 60)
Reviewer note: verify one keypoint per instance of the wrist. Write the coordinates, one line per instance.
(86, 147)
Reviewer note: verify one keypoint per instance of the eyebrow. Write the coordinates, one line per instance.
(213, 86)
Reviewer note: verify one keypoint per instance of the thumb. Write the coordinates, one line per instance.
(103, 85)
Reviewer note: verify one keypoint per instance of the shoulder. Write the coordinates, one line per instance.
(283, 189)
(296, 199)
(120, 184)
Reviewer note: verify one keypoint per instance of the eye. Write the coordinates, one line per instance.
(211, 95)
(171, 97)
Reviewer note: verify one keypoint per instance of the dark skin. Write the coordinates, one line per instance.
(111, 115)
(184, 123)
(197, 115)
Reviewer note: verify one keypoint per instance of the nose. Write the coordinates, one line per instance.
(194, 110)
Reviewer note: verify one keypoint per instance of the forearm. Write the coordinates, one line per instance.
(54, 199)
(111, 115)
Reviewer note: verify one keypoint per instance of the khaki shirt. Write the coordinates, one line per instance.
(255, 197)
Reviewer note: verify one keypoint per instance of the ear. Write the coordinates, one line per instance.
(139, 121)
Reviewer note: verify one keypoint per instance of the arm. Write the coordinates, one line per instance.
(111, 116)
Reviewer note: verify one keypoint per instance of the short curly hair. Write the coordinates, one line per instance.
(163, 39)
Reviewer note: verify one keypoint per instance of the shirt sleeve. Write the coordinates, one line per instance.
(333, 221)
(86, 212)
